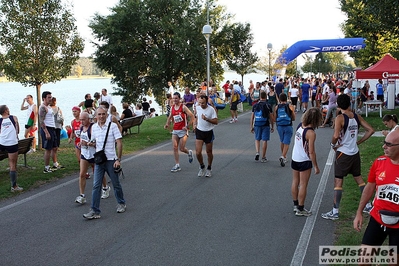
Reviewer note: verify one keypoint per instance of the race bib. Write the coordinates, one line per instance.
(389, 192)
(177, 118)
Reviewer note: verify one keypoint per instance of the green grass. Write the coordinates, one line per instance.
(151, 133)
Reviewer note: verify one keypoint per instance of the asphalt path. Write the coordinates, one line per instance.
(242, 215)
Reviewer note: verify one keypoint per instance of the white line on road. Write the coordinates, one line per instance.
(307, 230)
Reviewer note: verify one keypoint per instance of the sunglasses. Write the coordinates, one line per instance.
(388, 144)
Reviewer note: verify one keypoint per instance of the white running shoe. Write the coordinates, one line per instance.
(80, 199)
(208, 173)
(201, 172)
(105, 192)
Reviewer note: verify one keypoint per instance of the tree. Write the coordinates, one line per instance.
(377, 22)
(144, 44)
(240, 58)
(39, 40)
(78, 71)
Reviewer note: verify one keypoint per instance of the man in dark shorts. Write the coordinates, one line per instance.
(234, 100)
(347, 157)
(227, 93)
(204, 122)
(47, 129)
(383, 180)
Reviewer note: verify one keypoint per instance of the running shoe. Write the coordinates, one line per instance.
(296, 208)
(80, 199)
(16, 189)
(190, 156)
(91, 215)
(367, 208)
(257, 156)
(264, 160)
(87, 176)
(31, 151)
(304, 212)
(282, 163)
(208, 173)
(175, 168)
(57, 167)
(47, 170)
(105, 192)
(121, 208)
(201, 172)
(330, 215)
(231, 121)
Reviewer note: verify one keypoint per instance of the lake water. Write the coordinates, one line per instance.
(70, 92)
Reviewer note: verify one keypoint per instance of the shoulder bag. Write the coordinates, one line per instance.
(100, 157)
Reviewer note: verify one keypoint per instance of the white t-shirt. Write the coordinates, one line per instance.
(294, 92)
(87, 151)
(107, 98)
(98, 133)
(30, 109)
(49, 118)
(210, 113)
(326, 88)
(8, 133)
(138, 112)
(171, 90)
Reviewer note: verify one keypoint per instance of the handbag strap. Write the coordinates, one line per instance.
(106, 136)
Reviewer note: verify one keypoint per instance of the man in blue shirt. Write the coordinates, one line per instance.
(304, 92)
(380, 90)
(279, 87)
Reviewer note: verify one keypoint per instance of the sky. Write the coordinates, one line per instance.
(281, 22)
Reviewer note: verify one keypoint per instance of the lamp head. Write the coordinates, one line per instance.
(207, 31)
(269, 46)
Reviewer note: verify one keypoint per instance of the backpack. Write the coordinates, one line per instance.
(283, 117)
(219, 103)
(11, 118)
(261, 114)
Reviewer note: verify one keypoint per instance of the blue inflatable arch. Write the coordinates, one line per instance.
(317, 46)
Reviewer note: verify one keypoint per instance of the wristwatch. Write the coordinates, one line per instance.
(118, 159)
(332, 145)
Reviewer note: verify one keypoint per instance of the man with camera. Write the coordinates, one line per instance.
(105, 135)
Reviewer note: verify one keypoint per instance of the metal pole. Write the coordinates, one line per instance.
(208, 78)
(270, 76)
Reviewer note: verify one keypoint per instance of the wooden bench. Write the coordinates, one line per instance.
(130, 122)
(24, 146)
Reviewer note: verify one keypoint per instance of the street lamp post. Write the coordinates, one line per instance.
(206, 31)
(319, 68)
(270, 47)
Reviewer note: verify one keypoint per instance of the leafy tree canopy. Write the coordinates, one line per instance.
(144, 44)
(377, 21)
(240, 58)
(39, 40)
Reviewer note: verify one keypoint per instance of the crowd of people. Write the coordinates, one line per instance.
(86, 132)
(96, 128)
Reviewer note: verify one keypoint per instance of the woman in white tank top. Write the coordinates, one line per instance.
(304, 158)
